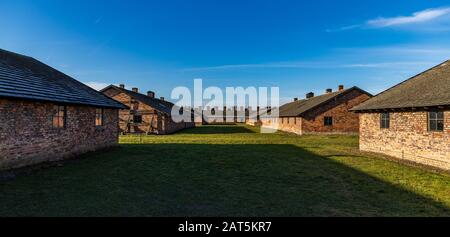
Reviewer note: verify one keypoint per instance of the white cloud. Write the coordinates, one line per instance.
(96, 85)
(343, 28)
(417, 17)
(432, 15)
(430, 52)
(312, 65)
(387, 64)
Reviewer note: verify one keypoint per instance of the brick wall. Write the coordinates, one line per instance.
(291, 125)
(407, 138)
(169, 126)
(153, 121)
(27, 135)
(344, 121)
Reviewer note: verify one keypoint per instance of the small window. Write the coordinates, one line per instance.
(436, 121)
(328, 121)
(98, 117)
(59, 116)
(385, 120)
(137, 119)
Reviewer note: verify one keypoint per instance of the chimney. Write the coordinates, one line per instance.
(329, 91)
(295, 99)
(341, 87)
(309, 95)
(151, 94)
(162, 98)
(135, 90)
(122, 86)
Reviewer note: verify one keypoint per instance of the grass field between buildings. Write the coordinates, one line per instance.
(229, 171)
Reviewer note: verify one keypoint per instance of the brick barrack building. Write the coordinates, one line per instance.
(146, 114)
(46, 115)
(325, 114)
(411, 120)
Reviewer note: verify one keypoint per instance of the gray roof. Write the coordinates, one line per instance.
(24, 77)
(160, 105)
(297, 108)
(427, 89)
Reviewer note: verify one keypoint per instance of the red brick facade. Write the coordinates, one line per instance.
(313, 121)
(153, 121)
(28, 136)
(344, 121)
(408, 138)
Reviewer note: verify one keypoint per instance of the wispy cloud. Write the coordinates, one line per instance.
(344, 28)
(417, 17)
(310, 65)
(398, 53)
(258, 66)
(387, 64)
(424, 16)
(406, 57)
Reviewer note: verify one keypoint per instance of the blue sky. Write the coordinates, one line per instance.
(300, 46)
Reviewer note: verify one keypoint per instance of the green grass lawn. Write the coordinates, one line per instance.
(229, 171)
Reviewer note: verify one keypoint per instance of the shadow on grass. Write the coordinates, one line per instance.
(209, 180)
(217, 129)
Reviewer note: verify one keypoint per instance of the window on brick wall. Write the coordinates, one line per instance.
(385, 121)
(328, 121)
(137, 119)
(59, 116)
(98, 117)
(436, 121)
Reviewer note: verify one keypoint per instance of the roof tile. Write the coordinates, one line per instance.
(427, 89)
(299, 107)
(26, 78)
(160, 105)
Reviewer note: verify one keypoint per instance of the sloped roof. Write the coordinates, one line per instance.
(297, 108)
(160, 105)
(26, 78)
(427, 89)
